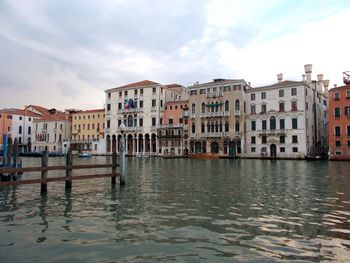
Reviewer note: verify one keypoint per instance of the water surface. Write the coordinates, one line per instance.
(183, 211)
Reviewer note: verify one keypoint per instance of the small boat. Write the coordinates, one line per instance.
(204, 156)
(84, 155)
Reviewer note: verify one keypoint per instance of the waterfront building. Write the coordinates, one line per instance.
(287, 119)
(216, 123)
(51, 131)
(339, 121)
(140, 106)
(17, 123)
(173, 132)
(87, 130)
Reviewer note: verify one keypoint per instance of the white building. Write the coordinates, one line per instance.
(140, 106)
(281, 121)
(51, 131)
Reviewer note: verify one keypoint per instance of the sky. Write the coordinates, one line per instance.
(64, 54)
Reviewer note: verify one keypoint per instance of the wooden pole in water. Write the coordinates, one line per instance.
(114, 161)
(69, 162)
(122, 160)
(8, 158)
(44, 164)
(15, 159)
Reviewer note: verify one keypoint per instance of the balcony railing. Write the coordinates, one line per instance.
(108, 130)
(132, 129)
(212, 114)
(134, 110)
(214, 94)
(237, 113)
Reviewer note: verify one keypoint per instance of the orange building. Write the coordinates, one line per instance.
(339, 121)
(5, 126)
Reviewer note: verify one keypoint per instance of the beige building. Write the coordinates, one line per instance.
(87, 127)
(216, 112)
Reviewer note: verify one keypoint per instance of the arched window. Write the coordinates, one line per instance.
(130, 121)
(193, 108)
(227, 127)
(212, 127)
(193, 128)
(220, 127)
(237, 104)
(208, 127)
(272, 123)
(203, 107)
(227, 105)
(216, 106)
(203, 127)
(216, 127)
(237, 126)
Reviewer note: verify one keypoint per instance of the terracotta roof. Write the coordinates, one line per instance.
(42, 110)
(174, 85)
(58, 116)
(89, 111)
(20, 112)
(339, 88)
(135, 84)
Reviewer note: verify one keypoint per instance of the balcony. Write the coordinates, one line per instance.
(180, 125)
(108, 130)
(212, 114)
(131, 110)
(133, 129)
(237, 113)
(214, 95)
(226, 113)
(211, 135)
(153, 109)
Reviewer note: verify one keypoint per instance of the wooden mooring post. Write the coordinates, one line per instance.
(44, 165)
(69, 163)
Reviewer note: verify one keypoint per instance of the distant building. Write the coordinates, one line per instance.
(51, 131)
(17, 123)
(339, 121)
(216, 112)
(173, 132)
(287, 119)
(140, 106)
(87, 130)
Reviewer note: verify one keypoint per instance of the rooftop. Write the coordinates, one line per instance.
(142, 83)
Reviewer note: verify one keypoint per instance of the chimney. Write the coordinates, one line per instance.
(308, 71)
(303, 76)
(279, 77)
(320, 77)
(325, 85)
(320, 82)
(335, 85)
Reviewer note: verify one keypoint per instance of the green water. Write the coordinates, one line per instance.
(183, 211)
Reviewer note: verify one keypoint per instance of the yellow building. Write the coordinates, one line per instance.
(87, 127)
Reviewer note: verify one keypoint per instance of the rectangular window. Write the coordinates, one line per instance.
(153, 103)
(281, 93)
(338, 143)
(337, 112)
(141, 122)
(154, 121)
(294, 91)
(119, 123)
(295, 149)
(125, 93)
(282, 149)
(294, 106)
(120, 106)
(141, 92)
(135, 92)
(336, 95)
(337, 131)
(263, 139)
(141, 104)
(252, 109)
(295, 139)
(193, 92)
(264, 125)
(282, 126)
(171, 121)
(348, 94)
(253, 149)
(108, 124)
(347, 111)
(202, 91)
(263, 108)
(294, 124)
(108, 106)
(253, 140)
(154, 90)
(120, 93)
(263, 95)
(281, 106)
(348, 131)
(252, 96)
(282, 139)
(181, 120)
(253, 125)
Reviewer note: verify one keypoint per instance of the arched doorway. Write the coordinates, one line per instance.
(154, 143)
(147, 141)
(214, 147)
(140, 150)
(108, 144)
(273, 150)
(130, 144)
(198, 147)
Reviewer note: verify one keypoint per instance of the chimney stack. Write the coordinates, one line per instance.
(325, 85)
(303, 76)
(320, 77)
(279, 77)
(308, 71)
(320, 82)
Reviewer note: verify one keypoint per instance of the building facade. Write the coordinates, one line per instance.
(173, 132)
(140, 106)
(87, 130)
(287, 119)
(339, 121)
(51, 131)
(216, 117)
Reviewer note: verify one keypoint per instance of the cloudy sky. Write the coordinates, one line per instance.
(64, 54)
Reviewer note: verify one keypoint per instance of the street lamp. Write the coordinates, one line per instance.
(122, 154)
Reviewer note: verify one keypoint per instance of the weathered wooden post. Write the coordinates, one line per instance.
(114, 161)
(15, 159)
(44, 164)
(69, 163)
(122, 154)
(7, 177)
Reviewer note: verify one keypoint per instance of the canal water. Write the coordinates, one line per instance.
(183, 210)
